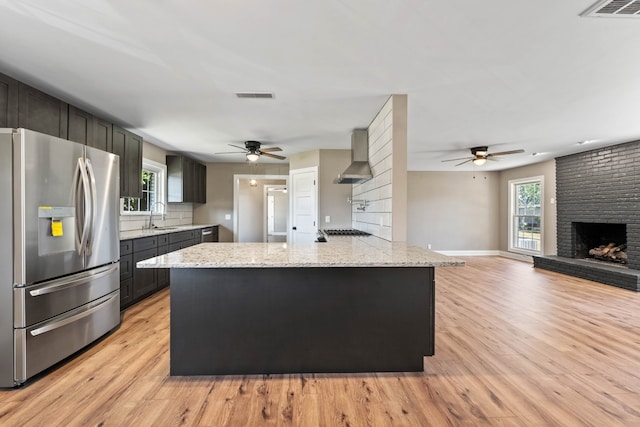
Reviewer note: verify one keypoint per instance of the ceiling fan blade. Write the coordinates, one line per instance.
(466, 161)
(461, 158)
(269, 149)
(274, 156)
(504, 153)
(244, 149)
(231, 152)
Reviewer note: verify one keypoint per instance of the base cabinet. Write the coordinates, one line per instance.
(138, 283)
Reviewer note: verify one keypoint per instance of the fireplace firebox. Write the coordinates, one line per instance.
(601, 241)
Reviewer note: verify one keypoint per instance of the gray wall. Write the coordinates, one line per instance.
(453, 210)
(332, 198)
(548, 172)
(220, 192)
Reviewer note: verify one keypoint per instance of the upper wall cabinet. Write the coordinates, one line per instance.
(129, 147)
(102, 135)
(9, 89)
(41, 112)
(80, 128)
(186, 180)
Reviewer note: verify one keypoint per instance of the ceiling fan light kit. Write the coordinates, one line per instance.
(253, 151)
(481, 155)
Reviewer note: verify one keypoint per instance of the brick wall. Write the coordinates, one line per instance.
(600, 186)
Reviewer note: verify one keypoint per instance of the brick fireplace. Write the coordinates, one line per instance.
(598, 202)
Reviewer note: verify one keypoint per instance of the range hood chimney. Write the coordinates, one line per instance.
(359, 170)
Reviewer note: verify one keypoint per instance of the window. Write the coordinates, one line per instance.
(525, 231)
(153, 190)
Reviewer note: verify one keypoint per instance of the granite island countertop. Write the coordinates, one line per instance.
(366, 251)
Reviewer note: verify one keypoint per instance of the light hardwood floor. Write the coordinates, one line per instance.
(515, 346)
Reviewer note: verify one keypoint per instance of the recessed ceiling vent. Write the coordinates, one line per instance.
(614, 9)
(258, 95)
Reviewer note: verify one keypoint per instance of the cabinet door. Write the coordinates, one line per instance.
(200, 183)
(9, 89)
(80, 127)
(41, 112)
(163, 273)
(126, 293)
(129, 147)
(103, 135)
(145, 280)
(133, 146)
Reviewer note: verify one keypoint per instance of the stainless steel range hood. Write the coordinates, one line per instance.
(359, 169)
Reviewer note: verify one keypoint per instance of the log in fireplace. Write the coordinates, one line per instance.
(601, 241)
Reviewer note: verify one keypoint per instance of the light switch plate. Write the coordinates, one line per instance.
(227, 216)
(327, 219)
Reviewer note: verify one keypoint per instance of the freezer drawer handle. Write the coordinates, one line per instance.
(206, 233)
(77, 282)
(74, 318)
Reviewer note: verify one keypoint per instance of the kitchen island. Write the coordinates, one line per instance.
(353, 304)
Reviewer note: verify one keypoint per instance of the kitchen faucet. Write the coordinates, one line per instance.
(151, 212)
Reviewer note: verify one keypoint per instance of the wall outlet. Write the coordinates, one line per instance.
(429, 246)
(381, 221)
(227, 217)
(327, 219)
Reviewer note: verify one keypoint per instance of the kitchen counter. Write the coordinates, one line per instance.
(367, 251)
(352, 304)
(136, 234)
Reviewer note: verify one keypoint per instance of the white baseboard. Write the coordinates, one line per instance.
(469, 253)
(519, 257)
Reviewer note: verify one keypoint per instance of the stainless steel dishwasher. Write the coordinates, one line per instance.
(207, 235)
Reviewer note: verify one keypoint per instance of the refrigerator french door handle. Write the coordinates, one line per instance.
(92, 211)
(62, 284)
(87, 204)
(77, 203)
(98, 306)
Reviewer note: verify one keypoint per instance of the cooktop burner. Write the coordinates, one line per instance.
(345, 232)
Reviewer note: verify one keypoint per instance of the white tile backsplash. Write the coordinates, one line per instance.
(176, 214)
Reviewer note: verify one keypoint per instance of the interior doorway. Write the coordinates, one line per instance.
(250, 209)
(276, 205)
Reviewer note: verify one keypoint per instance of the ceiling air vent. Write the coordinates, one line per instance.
(254, 95)
(614, 9)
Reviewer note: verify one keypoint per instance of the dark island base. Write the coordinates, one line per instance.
(591, 270)
(300, 320)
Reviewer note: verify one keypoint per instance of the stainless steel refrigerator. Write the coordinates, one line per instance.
(59, 250)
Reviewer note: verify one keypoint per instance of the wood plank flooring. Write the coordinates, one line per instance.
(515, 346)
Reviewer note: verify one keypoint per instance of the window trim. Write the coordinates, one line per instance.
(512, 205)
(161, 188)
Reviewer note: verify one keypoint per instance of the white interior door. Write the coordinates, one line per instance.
(304, 205)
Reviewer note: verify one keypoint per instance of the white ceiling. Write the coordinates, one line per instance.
(503, 73)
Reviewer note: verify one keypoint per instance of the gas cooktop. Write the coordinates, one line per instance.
(344, 232)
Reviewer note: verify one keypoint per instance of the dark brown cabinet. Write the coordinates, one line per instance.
(128, 146)
(103, 135)
(126, 272)
(9, 89)
(138, 283)
(41, 112)
(80, 126)
(186, 180)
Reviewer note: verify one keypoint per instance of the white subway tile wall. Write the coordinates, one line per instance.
(176, 214)
(377, 216)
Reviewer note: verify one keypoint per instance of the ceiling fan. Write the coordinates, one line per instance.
(481, 155)
(253, 151)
